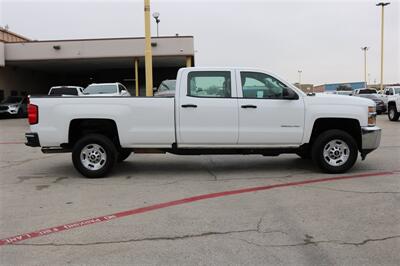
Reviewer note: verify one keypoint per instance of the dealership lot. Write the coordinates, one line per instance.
(340, 221)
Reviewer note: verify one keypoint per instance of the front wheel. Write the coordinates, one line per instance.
(393, 114)
(94, 155)
(334, 151)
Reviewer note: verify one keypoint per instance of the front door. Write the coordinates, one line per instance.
(267, 116)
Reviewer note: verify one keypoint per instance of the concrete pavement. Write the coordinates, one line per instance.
(341, 222)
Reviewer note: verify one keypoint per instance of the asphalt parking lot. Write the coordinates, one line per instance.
(290, 215)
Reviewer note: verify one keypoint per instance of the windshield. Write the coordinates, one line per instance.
(167, 85)
(12, 99)
(100, 89)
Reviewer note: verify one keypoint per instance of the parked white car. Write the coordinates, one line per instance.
(106, 89)
(66, 91)
(214, 111)
(15, 106)
(166, 88)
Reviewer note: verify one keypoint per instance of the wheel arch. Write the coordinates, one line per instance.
(83, 126)
(349, 125)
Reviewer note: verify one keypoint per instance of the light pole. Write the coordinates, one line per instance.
(300, 71)
(156, 16)
(382, 4)
(365, 49)
(148, 56)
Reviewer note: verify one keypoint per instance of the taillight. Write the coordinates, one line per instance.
(33, 114)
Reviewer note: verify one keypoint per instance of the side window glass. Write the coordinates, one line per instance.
(261, 86)
(212, 84)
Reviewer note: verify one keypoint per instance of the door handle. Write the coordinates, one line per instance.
(249, 106)
(189, 106)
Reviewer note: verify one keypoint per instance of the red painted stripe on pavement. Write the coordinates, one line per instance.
(12, 142)
(65, 227)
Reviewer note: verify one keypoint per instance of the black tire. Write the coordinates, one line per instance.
(323, 140)
(107, 147)
(123, 154)
(393, 114)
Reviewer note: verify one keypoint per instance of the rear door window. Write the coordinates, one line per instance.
(209, 84)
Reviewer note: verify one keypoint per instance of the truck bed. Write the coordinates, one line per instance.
(141, 121)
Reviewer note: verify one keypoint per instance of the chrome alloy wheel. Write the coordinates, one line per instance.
(336, 152)
(391, 113)
(93, 157)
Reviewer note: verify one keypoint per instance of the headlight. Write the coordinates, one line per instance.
(371, 116)
(14, 106)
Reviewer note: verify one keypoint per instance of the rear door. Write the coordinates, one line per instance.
(266, 116)
(207, 109)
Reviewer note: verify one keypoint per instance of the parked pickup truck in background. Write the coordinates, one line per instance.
(394, 107)
(214, 111)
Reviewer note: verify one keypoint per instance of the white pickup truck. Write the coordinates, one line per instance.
(393, 107)
(214, 111)
(391, 98)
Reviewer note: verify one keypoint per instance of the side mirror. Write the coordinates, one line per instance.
(289, 94)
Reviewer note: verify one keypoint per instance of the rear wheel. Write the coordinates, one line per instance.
(334, 151)
(94, 155)
(393, 114)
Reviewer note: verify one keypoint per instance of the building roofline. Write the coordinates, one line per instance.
(103, 39)
(13, 33)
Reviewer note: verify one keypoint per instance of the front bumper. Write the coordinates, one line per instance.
(370, 139)
(32, 140)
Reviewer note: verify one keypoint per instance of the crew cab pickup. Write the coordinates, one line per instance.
(214, 111)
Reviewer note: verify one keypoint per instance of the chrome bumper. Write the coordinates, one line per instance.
(370, 139)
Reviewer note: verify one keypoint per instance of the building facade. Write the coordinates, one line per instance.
(334, 86)
(32, 67)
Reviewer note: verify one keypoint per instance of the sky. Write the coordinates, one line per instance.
(321, 38)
